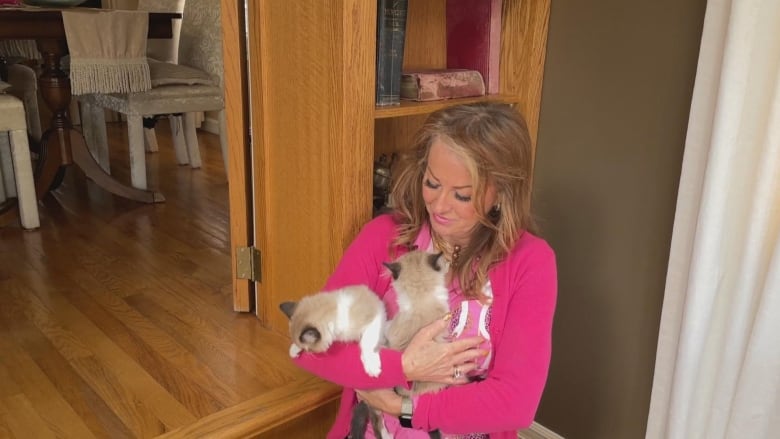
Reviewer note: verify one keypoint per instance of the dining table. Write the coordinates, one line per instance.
(61, 145)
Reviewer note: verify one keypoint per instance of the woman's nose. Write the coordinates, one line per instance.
(440, 203)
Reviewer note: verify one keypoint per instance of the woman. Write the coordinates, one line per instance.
(463, 189)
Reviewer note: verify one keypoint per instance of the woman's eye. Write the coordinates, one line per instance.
(464, 198)
(430, 184)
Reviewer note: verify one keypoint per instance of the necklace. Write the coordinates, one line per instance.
(451, 252)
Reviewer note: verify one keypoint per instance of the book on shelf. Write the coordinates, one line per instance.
(438, 84)
(390, 34)
(474, 38)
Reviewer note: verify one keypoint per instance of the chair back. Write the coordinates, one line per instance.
(164, 49)
(200, 44)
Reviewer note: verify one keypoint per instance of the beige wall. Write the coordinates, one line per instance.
(617, 89)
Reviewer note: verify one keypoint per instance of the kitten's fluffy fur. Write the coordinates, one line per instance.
(353, 313)
(419, 284)
(419, 280)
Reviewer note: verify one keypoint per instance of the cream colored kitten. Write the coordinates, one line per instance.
(419, 281)
(353, 313)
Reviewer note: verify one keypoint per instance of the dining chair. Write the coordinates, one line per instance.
(24, 85)
(15, 164)
(180, 90)
(165, 50)
(21, 57)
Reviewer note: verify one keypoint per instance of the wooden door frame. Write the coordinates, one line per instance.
(238, 166)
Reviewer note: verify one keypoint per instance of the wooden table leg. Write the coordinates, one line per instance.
(61, 145)
(84, 160)
(48, 172)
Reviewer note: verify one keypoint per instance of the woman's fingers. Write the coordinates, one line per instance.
(434, 329)
(425, 359)
(464, 344)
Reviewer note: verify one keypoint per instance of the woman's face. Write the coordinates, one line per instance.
(448, 195)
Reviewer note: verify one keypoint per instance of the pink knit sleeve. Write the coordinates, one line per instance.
(341, 365)
(360, 264)
(508, 398)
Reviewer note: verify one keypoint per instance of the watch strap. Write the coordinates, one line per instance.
(405, 418)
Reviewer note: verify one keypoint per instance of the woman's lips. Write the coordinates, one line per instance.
(440, 219)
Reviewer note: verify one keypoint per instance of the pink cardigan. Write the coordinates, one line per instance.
(524, 288)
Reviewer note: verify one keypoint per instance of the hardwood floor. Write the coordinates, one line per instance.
(116, 317)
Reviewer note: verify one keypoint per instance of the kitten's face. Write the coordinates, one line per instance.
(417, 269)
(307, 329)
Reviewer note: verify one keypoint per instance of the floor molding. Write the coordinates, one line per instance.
(210, 125)
(538, 431)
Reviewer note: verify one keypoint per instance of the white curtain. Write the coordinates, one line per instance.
(717, 369)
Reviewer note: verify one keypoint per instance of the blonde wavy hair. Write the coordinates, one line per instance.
(494, 143)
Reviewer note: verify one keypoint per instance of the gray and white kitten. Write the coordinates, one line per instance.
(419, 280)
(353, 313)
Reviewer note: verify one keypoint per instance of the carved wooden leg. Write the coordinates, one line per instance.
(54, 87)
(87, 163)
(61, 145)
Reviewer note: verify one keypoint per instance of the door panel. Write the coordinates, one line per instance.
(236, 113)
(311, 91)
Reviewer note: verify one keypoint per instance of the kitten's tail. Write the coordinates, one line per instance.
(362, 413)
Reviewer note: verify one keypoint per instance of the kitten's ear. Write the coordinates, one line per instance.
(288, 308)
(434, 260)
(394, 267)
(310, 335)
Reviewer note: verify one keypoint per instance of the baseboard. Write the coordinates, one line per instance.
(210, 125)
(538, 431)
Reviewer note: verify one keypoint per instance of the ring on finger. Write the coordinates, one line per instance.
(456, 375)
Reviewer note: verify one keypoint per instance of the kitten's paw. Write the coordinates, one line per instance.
(294, 350)
(372, 364)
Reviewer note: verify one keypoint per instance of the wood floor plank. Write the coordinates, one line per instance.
(117, 394)
(177, 370)
(22, 420)
(116, 317)
(121, 382)
(160, 354)
(210, 350)
(41, 395)
(92, 410)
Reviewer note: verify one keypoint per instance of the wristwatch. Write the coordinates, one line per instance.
(405, 418)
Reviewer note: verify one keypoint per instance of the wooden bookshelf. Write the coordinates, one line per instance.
(412, 108)
(315, 130)
(523, 46)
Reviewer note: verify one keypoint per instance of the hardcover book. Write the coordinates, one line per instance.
(474, 38)
(390, 34)
(433, 85)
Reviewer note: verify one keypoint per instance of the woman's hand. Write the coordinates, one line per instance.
(385, 400)
(425, 359)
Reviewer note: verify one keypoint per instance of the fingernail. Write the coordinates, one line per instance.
(447, 316)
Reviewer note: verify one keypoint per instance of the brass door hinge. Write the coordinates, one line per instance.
(248, 263)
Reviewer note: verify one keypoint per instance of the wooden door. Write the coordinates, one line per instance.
(236, 104)
(308, 98)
